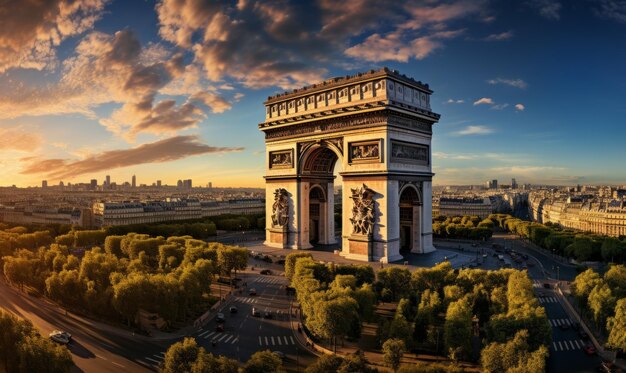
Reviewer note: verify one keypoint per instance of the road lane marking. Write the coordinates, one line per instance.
(158, 356)
(202, 335)
(237, 339)
(103, 358)
(119, 365)
(209, 335)
(286, 341)
(154, 361)
(260, 344)
(292, 341)
(554, 344)
(560, 347)
(279, 342)
(572, 344)
(224, 336)
(266, 341)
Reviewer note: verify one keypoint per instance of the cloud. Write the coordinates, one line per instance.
(290, 43)
(19, 139)
(550, 9)
(484, 101)
(500, 106)
(31, 30)
(520, 107)
(517, 83)
(474, 130)
(453, 101)
(506, 35)
(611, 9)
(166, 150)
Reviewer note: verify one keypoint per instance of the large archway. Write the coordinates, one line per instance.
(377, 126)
(409, 210)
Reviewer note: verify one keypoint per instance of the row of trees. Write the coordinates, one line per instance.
(438, 310)
(582, 246)
(22, 349)
(603, 299)
(441, 310)
(335, 299)
(186, 356)
(170, 277)
(462, 227)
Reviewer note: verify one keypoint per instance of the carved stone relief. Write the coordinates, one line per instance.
(366, 151)
(281, 159)
(403, 152)
(280, 208)
(362, 210)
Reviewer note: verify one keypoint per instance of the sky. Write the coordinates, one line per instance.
(166, 90)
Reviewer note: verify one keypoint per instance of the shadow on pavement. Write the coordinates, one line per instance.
(79, 350)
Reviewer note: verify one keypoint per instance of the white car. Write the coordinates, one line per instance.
(60, 337)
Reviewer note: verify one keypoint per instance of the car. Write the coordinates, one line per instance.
(268, 315)
(60, 337)
(220, 318)
(255, 312)
(484, 255)
(590, 350)
(280, 261)
(267, 259)
(564, 326)
(219, 328)
(233, 309)
(546, 285)
(583, 335)
(280, 354)
(252, 291)
(266, 272)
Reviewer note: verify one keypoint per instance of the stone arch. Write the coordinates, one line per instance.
(319, 158)
(410, 215)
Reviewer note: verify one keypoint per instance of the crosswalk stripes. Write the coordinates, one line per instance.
(559, 322)
(246, 300)
(536, 284)
(548, 300)
(569, 345)
(276, 341)
(219, 337)
(268, 280)
(156, 359)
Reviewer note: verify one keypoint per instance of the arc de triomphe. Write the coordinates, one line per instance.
(378, 124)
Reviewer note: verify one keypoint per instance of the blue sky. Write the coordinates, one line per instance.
(169, 90)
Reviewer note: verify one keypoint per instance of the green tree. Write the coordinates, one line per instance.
(513, 356)
(583, 284)
(397, 280)
(458, 327)
(181, 356)
(263, 362)
(37, 354)
(232, 258)
(393, 350)
(616, 326)
(615, 277)
(290, 263)
(325, 364)
(601, 303)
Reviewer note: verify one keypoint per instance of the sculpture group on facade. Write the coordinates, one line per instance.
(362, 210)
(280, 208)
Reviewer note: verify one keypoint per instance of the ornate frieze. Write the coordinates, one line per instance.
(280, 208)
(281, 159)
(404, 152)
(362, 210)
(361, 120)
(365, 151)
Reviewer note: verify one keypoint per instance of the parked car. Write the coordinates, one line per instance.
(255, 312)
(60, 337)
(268, 315)
(266, 272)
(233, 309)
(590, 350)
(220, 318)
(219, 328)
(267, 259)
(546, 285)
(280, 261)
(252, 291)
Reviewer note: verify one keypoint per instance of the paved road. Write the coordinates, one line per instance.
(93, 350)
(245, 334)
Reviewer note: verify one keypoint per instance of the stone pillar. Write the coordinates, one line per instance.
(327, 216)
(427, 217)
(416, 236)
(301, 231)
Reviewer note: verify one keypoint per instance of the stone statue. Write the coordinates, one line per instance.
(362, 210)
(280, 208)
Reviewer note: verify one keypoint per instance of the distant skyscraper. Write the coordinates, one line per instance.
(210, 185)
(93, 184)
(108, 180)
(61, 184)
(179, 184)
(44, 183)
(187, 184)
(134, 183)
(158, 184)
(494, 184)
(513, 183)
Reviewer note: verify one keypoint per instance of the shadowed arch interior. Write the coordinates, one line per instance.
(320, 161)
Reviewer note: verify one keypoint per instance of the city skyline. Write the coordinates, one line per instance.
(170, 92)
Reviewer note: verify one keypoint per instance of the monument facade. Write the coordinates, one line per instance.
(378, 124)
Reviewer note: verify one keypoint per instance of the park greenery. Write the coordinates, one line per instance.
(186, 356)
(116, 276)
(24, 350)
(575, 244)
(602, 299)
(439, 310)
(462, 227)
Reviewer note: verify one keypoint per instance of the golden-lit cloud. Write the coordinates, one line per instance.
(19, 139)
(30, 31)
(166, 150)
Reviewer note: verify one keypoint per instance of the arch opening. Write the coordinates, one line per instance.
(409, 210)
